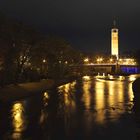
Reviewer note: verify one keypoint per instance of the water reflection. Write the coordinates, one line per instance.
(96, 103)
(44, 114)
(111, 97)
(99, 101)
(99, 95)
(67, 91)
(45, 98)
(130, 92)
(84, 109)
(86, 94)
(18, 120)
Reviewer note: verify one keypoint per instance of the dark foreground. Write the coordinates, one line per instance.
(82, 110)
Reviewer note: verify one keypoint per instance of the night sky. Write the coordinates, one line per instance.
(86, 24)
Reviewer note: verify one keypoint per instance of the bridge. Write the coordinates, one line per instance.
(94, 68)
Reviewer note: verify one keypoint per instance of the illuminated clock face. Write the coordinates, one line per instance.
(115, 30)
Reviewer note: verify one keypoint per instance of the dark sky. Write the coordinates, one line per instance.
(85, 24)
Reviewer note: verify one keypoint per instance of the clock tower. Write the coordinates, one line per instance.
(114, 41)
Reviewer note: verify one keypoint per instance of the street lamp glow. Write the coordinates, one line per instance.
(86, 60)
(111, 60)
(86, 77)
(44, 61)
(99, 59)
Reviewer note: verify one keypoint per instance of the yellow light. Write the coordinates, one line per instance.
(103, 74)
(114, 42)
(111, 77)
(128, 61)
(86, 77)
(86, 60)
(86, 98)
(44, 60)
(18, 117)
(121, 77)
(101, 59)
(46, 95)
(132, 78)
(66, 91)
(99, 101)
(98, 60)
(111, 59)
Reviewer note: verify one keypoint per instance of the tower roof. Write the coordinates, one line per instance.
(114, 24)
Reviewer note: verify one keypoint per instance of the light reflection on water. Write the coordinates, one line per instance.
(18, 120)
(27, 114)
(68, 90)
(44, 114)
(86, 94)
(101, 102)
(77, 109)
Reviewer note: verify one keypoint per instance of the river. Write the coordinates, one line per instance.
(87, 109)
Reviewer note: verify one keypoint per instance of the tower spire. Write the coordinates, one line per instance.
(114, 23)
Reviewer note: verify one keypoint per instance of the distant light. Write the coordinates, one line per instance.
(103, 74)
(132, 78)
(127, 61)
(121, 77)
(111, 59)
(86, 77)
(111, 77)
(46, 95)
(44, 61)
(99, 59)
(86, 60)
(18, 119)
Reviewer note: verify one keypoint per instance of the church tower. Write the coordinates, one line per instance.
(114, 41)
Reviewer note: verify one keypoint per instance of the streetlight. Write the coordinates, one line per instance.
(86, 60)
(44, 67)
(99, 60)
(111, 60)
(44, 60)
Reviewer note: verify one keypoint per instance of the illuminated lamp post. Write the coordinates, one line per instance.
(99, 60)
(86, 60)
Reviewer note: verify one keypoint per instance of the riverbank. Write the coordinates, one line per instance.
(19, 91)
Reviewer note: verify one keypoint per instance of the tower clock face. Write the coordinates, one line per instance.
(114, 30)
